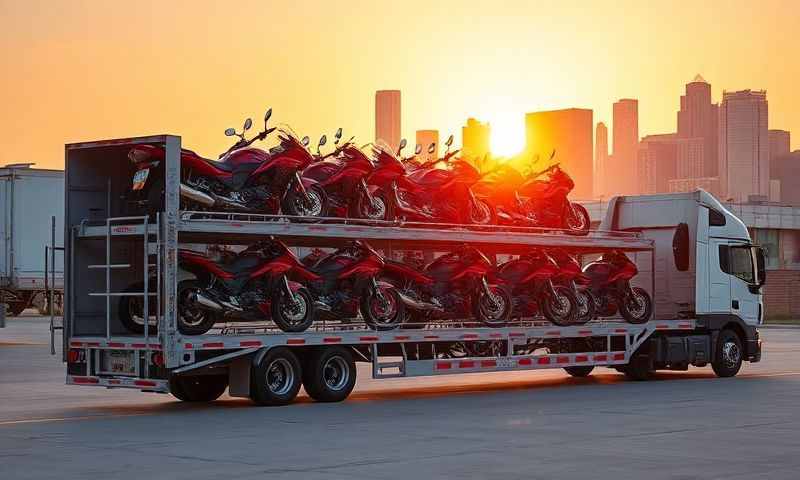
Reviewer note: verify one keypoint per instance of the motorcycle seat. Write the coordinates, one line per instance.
(431, 178)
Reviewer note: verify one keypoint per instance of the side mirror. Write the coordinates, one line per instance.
(305, 141)
(338, 133)
(761, 267)
(680, 247)
(229, 132)
(268, 115)
(403, 143)
(247, 124)
(418, 149)
(432, 147)
(322, 141)
(552, 155)
(449, 141)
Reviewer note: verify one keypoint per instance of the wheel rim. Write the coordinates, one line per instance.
(583, 304)
(493, 306)
(335, 373)
(637, 304)
(135, 308)
(480, 213)
(309, 205)
(280, 376)
(383, 308)
(731, 354)
(576, 221)
(190, 315)
(375, 209)
(294, 312)
(559, 306)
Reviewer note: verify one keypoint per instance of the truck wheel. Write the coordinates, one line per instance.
(636, 308)
(330, 374)
(580, 370)
(728, 358)
(292, 316)
(198, 388)
(639, 368)
(277, 378)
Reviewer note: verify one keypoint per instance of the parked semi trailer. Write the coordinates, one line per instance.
(31, 198)
(694, 257)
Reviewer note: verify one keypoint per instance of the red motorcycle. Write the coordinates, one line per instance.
(545, 204)
(245, 179)
(346, 283)
(531, 279)
(571, 275)
(455, 286)
(610, 284)
(262, 281)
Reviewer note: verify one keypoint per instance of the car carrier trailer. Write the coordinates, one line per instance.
(694, 258)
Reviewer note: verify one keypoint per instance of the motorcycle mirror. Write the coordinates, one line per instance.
(338, 133)
(322, 141)
(403, 143)
(305, 141)
(229, 132)
(553, 154)
(418, 149)
(247, 124)
(432, 147)
(449, 141)
(267, 115)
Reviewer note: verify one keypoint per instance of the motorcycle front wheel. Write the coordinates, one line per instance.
(313, 204)
(481, 213)
(562, 308)
(377, 209)
(495, 310)
(637, 306)
(383, 312)
(586, 307)
(577, 220)
(292, 314)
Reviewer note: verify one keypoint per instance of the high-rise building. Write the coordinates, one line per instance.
(475, 138)
(786, 170)
(744, 145)
(779, 143)
(625, 148)
(569, 133)
(387, 117)
(656, 163)
(600, 159)
(424, 139)
(691, 157)
(697, 119)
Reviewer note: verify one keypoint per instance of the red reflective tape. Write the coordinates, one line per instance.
(213, 345)
(85, 380)
(619, 356)
(75, 344)
(553, 332)
(543, 360)
(516, 334)
(431, 337)
(114, 382)
(662, 326)
(584, 332)
(250, 343)
(525, 361)
(466, 364)
(317, 227)
(470, 336)
(368, 339)
(684, 325)
(138, 345)
(562, 359)
(401, 337)
(495, 335)
(188, 346)
(295, 341)
(93, 344)
(581, 358)
(237, 225)
(443, 366)
(488, 363)
(116, 344)
(156, 346)
(621, 330)
(144, 383)
(331, 339)
(601, 358)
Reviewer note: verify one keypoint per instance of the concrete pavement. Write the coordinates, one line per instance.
(520, 425)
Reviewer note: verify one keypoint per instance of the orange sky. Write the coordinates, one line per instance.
(82, 70)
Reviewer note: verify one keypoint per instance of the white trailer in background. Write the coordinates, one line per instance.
(30, 198)
(695, 259)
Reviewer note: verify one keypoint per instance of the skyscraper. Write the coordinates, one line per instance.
(600, 159)
(744, 145)
(697, 119)
(475, 139)
(569, 133)
(779, 143)
(657, 163)
(387, 117)
(626, 144)
(425, 138)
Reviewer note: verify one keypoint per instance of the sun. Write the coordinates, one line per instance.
(508, 133)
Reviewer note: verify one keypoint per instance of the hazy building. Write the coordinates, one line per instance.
(779, 143)
(691, 157)
(697, 119)
(786, 170)
(656, 163)
(569, 133)
(387, 117)
(425, 138)
(475, 138)
(709, 184)
(744, 145)
(600, 159)
(622, 177)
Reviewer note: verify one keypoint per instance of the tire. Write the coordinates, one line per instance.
(386, 315)
(330, 374)
(191, 319)
(560, 310)
(381, 210)
(728, 356)
(494, 313)
(277, 378)
(481, 214)
(639, 368)
(641, 311)
(198, 388)
(579, 371)
(585, 307)
(131, 311)
(296, 316)
(314, 205)
(577, 222)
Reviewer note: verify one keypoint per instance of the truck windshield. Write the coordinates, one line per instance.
(737, 261)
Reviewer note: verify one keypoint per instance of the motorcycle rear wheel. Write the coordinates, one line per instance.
(561, 309)
(193, 320)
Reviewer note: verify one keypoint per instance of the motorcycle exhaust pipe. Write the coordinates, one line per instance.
(207, 303)
(197, 196)
(418, 304)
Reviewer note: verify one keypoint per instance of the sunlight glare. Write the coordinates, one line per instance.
(508, 133)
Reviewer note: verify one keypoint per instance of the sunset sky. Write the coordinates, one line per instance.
(83, 70)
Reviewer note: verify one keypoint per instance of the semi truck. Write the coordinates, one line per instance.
(694, 257)
(31, 198)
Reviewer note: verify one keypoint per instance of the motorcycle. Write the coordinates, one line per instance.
(346, 283)
(610, 284)
(531, 281)
(454, 286)
(545, 202)
(571, 275)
